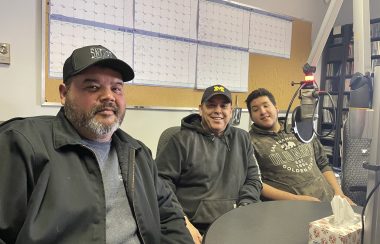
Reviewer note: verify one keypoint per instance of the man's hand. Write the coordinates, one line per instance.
(347, 198)
(331, 179)
(197, 237)
(306, 198)
(273, 193)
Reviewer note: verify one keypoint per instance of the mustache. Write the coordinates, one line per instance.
(106, 105)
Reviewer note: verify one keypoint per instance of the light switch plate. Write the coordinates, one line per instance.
(5, 55)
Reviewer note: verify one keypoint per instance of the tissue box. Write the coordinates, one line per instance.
(323, 231)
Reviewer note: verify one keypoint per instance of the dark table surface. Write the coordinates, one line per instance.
(277, 222)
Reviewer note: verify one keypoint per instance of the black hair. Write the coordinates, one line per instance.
(68, 81)
(261, 92)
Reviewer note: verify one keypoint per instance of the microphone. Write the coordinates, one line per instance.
(303, 117)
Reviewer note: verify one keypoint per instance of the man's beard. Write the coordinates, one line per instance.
(87, 120)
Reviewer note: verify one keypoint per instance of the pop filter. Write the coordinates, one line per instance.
(303, 127)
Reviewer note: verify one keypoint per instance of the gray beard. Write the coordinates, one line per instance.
(88, 122)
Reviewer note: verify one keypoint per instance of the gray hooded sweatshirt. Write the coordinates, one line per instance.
(210, 175)
(290, 165)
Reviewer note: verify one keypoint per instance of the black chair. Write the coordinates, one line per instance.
(354, 176)
(165, 136)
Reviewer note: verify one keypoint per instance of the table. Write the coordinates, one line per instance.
(273, 222)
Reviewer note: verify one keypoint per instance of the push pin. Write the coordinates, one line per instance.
(4, 53)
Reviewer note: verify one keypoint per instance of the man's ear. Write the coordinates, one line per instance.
(63, 93)
(200, 109)
(278, 110)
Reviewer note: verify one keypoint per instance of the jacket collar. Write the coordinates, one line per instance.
(65, 134)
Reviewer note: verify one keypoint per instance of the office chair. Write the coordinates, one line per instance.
(354, 176)
(165, 136)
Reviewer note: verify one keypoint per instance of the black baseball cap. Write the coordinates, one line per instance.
(216, 90)
(85, 57)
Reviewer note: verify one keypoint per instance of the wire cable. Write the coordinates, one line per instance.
(290, 105)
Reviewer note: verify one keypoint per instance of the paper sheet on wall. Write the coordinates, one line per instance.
(175, 18)
(76, 35)
(223, 24)
(270, 35)
(165, 62)
(222, 66)
(112, 12)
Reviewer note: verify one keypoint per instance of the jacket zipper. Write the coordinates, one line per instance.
(131, 182)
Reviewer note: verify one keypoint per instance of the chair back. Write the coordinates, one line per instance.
(354, 176)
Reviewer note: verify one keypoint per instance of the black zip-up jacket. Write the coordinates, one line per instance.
(51, 189)
(210, 175)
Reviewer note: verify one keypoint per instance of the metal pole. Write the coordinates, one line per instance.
(324, 31)
(372, 213)
(362, 39)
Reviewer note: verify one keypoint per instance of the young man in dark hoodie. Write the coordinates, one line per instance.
(291, 170)
(209, 164)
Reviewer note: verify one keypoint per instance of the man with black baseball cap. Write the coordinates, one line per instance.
(209, 164)
(76, 177)
(85, 57)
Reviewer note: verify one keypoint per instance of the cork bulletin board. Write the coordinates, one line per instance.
(270, 72)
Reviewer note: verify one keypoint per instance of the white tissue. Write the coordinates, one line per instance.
(342, 212)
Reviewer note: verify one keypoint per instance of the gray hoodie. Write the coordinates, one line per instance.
(210, 175)
(290, 165)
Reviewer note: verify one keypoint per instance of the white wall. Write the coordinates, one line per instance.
(20, 93)
(346, 18)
